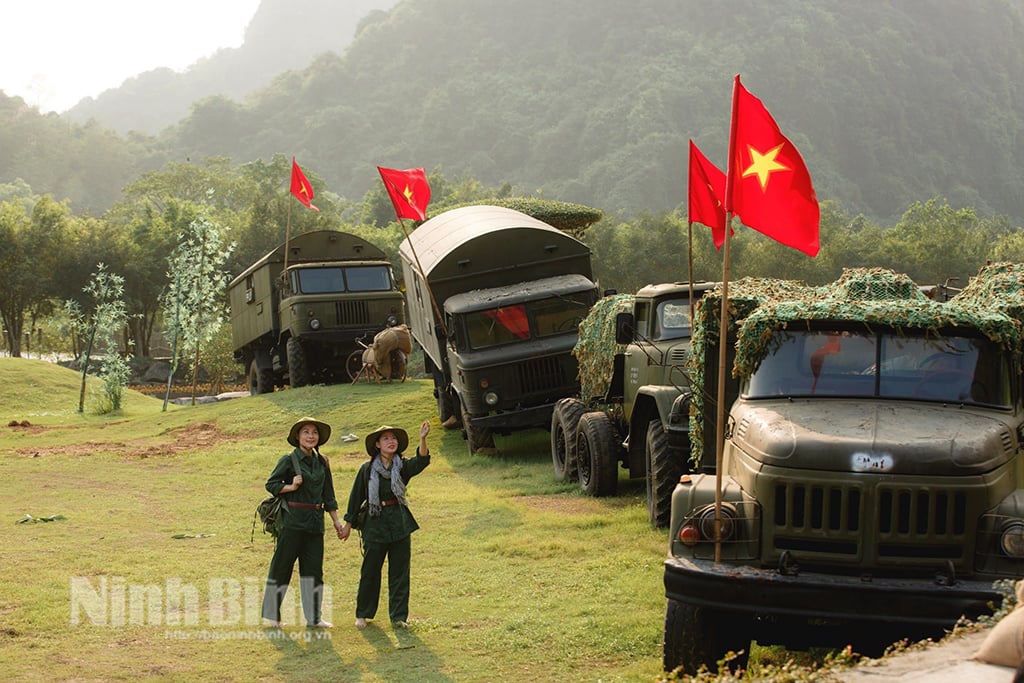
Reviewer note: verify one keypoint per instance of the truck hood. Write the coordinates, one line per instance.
(884, 437)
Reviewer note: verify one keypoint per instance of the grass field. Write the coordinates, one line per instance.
(151, 574)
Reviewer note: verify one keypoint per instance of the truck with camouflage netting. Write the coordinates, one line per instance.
(869, 485)
(633, 408)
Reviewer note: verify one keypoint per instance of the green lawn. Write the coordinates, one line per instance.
(515, 576)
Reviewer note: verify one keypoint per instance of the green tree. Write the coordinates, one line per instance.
(194, 304)
(98, 323)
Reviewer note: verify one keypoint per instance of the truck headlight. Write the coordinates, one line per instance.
(701, 526)
(392, 320)
(491, 398)
(1012, 539)
(314, 324)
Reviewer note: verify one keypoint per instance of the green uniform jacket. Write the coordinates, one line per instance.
(395, 521)
(317, 487)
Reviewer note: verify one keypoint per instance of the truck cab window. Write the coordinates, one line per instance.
(368, 279)
(320, 280)
(672, 320)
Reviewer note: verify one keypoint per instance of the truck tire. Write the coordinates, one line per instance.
(564, 420)
(447, 402)
(664, 467)
(696, 637)
(595, 454)
(261, 381)
(478, 438)
(298, 370)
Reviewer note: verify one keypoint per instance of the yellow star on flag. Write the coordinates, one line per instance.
(407, 193)
(763, 165)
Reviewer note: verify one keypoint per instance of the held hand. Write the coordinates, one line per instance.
(297, 480)
(344, 531)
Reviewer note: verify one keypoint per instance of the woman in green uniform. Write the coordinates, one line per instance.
(381, 481)
(309, 493)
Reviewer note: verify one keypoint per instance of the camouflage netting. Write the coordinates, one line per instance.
(992, 303)
(596, 346)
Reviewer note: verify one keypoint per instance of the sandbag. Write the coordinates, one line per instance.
(392, 338)
(1004, 645)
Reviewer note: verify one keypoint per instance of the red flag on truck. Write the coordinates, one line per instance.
(707, 187)
(409, 191)
(301, 188)
(768, 185)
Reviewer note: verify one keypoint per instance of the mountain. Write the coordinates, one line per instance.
(282, 35)
(594, 101)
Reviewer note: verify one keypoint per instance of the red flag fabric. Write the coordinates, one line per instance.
(707, 187)
(301, 188)
(768, 185)
(409, 191)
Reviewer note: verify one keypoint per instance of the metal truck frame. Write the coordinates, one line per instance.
(636, 416)
(495, 297)
(871, 472)
(296, 317)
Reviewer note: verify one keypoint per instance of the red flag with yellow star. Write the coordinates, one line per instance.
(768, 184)
(706, 188)
(301, 188)
(409, 191)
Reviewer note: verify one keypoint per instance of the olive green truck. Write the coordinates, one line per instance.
(495, 298)
(871, 468)
(298, 313)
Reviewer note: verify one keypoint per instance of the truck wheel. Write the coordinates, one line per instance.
(354, 365)
(595, 454)
(478, 438)
(447, 402)
(261, 381)
(664, 467)
(695, 637)
(298, 370)
(564, 420)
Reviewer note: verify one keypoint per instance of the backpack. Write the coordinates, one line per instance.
(268, 512)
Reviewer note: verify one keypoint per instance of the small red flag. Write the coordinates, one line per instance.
(409, 191)
(768, 185)
(301, 188)
(707, 186)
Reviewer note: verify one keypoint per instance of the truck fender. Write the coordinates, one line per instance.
(261, 356)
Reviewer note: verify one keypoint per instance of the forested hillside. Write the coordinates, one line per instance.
(593, 101)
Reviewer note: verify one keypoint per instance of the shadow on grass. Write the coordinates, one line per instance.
(401, 656)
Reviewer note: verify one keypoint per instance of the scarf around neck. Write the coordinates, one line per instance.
(377, 471)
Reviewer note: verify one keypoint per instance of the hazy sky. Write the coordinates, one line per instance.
(55, 52)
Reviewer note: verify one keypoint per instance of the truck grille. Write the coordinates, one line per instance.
(540, 375)
(907, 522)
(351, 313)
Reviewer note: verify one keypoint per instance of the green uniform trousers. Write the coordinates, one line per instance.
(399, 555)
(308, 549)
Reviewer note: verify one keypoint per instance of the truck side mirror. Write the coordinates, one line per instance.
(624, 328)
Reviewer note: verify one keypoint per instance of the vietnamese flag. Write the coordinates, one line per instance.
(301, 188)
(768, 185)
(707, 187)
(409, 191)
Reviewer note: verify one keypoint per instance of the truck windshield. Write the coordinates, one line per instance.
(672, 320)
(518, 322)
(887, 365)
(334, 279)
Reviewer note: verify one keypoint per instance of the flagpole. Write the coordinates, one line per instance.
(689, 255)
(723, 325)
(287, 236)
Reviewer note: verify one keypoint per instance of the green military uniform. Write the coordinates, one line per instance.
(385, 537)
(301, 536)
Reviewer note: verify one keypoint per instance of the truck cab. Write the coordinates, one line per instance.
(869, 485)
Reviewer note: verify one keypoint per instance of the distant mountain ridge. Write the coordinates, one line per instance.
(282, 35)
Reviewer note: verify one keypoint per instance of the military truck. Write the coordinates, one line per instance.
(869, 481)
(297, 313)
(633, 409)
(495, 298)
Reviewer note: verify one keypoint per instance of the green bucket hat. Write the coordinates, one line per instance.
(322, 428)
(400, 434)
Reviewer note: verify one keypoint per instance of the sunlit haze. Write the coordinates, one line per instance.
(55, 52)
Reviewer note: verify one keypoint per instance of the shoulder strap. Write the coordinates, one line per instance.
(295, 463)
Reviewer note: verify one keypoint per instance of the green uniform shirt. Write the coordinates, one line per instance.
(317, 487)
(395, 521)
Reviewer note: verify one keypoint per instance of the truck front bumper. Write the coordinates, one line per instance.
(915, 603)
(523, 418)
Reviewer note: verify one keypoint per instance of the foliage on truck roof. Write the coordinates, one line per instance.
(992, 303)
(596, 345)
(566, 216)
